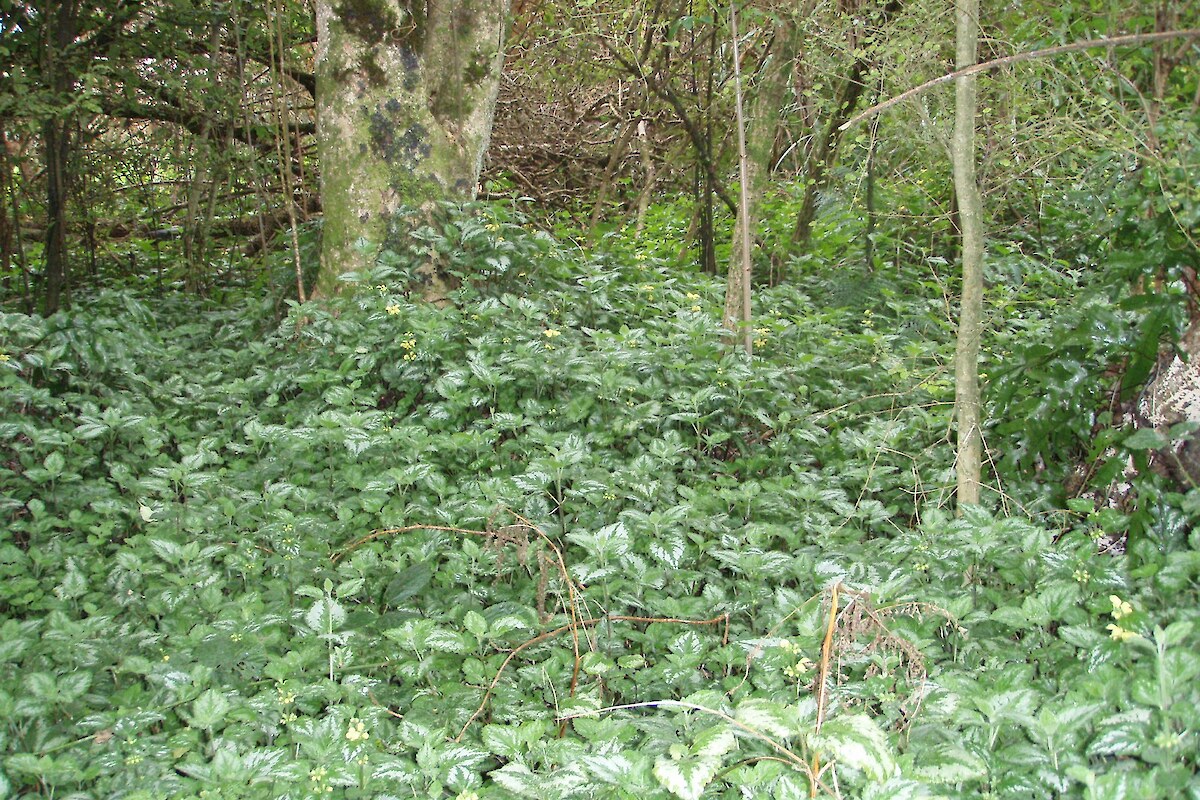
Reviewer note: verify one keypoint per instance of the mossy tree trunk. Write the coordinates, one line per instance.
(406, 90)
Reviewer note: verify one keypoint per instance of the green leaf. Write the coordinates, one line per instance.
(12, 649)
(325, 615)
(209, 710)
(594, 663)
(72, 685)
(475, 624)
(518, 779)
(856, 741)
(612, 769)
(54, 464)
(447, 641)
(407, 583)
(766, 717)
(685, 771)
(1122, 740)
(1175, 633)
(950, 763)
(1146, 439)
(685, 777)
(508, 741)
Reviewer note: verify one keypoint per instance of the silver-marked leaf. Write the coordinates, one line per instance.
(856, 741)
(325, 615)
(766, 717)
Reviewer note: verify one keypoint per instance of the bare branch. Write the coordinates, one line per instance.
(988, 66)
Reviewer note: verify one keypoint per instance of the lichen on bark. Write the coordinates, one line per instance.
(405, 97)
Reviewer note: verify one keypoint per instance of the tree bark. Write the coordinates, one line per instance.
(406, 91)
(56, 140)
(761, 124)
(969, 463)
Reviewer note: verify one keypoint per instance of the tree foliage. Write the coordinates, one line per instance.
(557, 539)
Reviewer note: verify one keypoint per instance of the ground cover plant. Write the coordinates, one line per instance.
(557, 540)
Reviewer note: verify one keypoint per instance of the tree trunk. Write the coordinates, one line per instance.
(760, 127)
(1173, 396)
(56, 139)
(406, 92)
(969, 463)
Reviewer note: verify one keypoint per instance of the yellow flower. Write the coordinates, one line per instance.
(5, 357)
(393, 309)
(357, 731)
(692, 296)
(382, 288)
(695, 308)
(1120, 607)
(1119, 634)
(550, 333)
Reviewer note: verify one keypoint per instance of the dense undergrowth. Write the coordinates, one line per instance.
(386, 550)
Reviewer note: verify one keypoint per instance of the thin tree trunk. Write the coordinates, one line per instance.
(6, 186)
(56, 139)
(755, 163)
(968, 467)
(737, 291)
(645, 149)
(615, 156)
